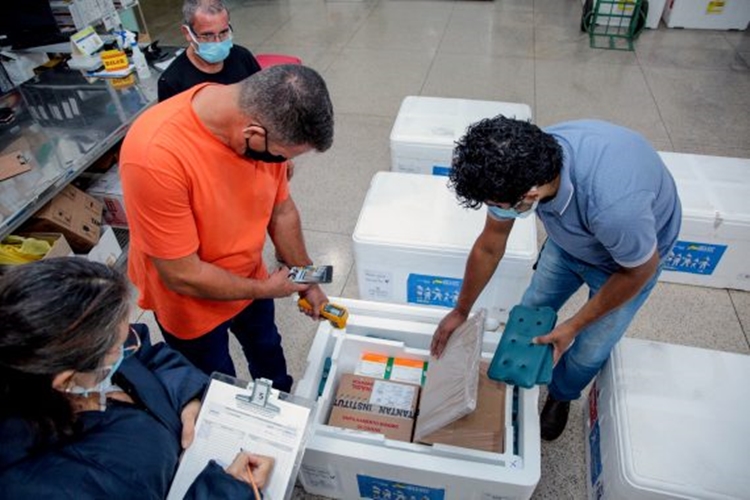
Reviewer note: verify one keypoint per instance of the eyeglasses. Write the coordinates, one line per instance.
(221, 36)
(132, 343)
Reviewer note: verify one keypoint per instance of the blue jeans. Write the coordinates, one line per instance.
(255, 329)
(558, 276)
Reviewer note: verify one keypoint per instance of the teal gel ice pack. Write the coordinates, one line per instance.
(517, 361)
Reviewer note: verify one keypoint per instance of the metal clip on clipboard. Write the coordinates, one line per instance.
(260, 395)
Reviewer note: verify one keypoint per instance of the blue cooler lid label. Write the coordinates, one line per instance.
(382, 489)
(441, 170)
(694, 258)
(432, 290)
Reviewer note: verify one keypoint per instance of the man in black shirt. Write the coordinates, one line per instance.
(210, 56)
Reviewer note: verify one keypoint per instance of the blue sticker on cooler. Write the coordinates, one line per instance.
(385, 489)
(595, 453)
(441, 170)
(432, 290)
(694, 258)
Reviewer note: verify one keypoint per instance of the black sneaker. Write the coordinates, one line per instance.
(553, 419)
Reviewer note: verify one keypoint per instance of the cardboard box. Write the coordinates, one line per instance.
(73, 213)
(380, 406)
(60, 247)
(108, 190)
(411, 371)
(484, 428)
(107, 250)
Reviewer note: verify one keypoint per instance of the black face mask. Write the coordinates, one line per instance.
(263, 156)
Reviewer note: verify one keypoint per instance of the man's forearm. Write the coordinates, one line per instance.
(285, 231)
(207, 281)
(616, 291)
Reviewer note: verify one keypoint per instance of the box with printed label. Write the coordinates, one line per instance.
(73, 213)
(412, 241)
(375, 405)
(708, 14)
(108, 189)
(714, 240)
(349, 463)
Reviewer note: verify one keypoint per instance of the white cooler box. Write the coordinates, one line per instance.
(714, 242)
(666, 421)
(427, 128)
(708, 14)
(412, 240)
(351, 464)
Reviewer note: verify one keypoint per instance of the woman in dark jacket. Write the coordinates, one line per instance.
(88, 407)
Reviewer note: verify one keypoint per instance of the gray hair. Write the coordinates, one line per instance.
(292, 102)
(190, 7)
(56, 315)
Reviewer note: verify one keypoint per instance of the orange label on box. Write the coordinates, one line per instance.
(114, 60)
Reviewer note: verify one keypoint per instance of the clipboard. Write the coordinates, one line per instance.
(253, 416)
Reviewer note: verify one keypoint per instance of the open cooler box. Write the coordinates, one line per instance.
(714, 243)
(427, 128)
(350, 464)
(668, 421)
(412, 240)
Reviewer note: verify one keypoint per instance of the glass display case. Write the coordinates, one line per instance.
(61, 123)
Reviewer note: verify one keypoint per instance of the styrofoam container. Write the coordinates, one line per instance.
(655, 12)
(708, 14)
(714, 242)
(350, 464)
(412, 241)
(666, 421)
(427, 128)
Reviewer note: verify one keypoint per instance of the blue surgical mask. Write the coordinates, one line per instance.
(511, 213)
(214, 52)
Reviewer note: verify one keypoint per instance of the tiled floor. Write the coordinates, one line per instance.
(685, 90)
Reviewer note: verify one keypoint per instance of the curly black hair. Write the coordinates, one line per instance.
(499, 159)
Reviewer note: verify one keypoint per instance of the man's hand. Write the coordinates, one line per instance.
(560, 338)
(445, 329)
(188, 416)
(279, 285)
(316, 297)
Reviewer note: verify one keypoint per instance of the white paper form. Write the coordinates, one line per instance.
(226, 425)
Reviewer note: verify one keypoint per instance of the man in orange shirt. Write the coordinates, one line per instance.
(204, 179)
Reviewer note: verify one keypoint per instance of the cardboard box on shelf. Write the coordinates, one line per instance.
(108, 190)
(107, 250)
(484, 428)
(58, 245)
(73, 213)
(380, 406)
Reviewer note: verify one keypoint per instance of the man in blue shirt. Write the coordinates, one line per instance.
(611, 212)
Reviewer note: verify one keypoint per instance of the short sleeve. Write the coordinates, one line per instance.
(627, 229)
(158, 208)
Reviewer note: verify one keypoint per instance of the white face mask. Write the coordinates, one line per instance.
(103, 385)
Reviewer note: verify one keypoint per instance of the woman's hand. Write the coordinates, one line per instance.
(188, 416)
(252, 469)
